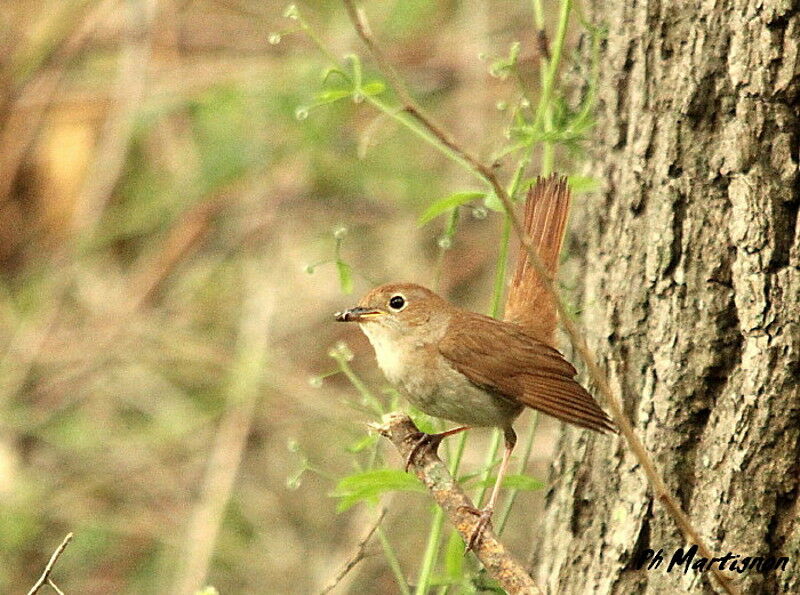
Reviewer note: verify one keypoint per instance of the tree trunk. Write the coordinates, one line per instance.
(691, 298)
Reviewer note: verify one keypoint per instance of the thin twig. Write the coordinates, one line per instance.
(576, 338)
(45, 578)
(447, 493)
(360, 554)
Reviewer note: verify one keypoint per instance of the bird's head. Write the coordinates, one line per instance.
(398, 309)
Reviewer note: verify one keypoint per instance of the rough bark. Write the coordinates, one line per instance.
(691, 297)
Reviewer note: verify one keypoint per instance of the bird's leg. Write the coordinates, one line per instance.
(430, 441)
(485, 515)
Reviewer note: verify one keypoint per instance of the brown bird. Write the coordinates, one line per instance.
(476, 370)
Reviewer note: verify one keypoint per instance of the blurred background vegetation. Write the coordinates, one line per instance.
(170, 204)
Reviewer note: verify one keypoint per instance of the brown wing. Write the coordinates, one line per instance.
(528, 303)
(500, 357)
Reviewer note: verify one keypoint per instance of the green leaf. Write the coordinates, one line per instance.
(367, 486)
(345, 276)
(330, 95)
(447, 203)
(373, 88)
(516, 482)
(423, 421)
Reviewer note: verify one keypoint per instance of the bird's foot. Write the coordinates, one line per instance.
(484, 519)
(429, 441)
(423, 441)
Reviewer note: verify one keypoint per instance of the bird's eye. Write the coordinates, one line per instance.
(397, 302)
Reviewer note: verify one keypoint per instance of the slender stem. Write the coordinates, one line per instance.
(544, 110)
(497, 295)
(412, 124)
(359, 385)
(499, 287)
(397, 114)
(548, 157)
(357, 557)
(459, 453)
(449, 232)
(491, 455)
(431, 552)
(312, 35)
(549, 70)
(552, 65)
(538, 14)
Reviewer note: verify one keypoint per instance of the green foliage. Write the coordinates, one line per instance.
(425, 422)
(369, 485)
(503, 67)
(448, 203)
(343, 269)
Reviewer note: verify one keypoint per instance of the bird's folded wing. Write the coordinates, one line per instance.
(501, 358)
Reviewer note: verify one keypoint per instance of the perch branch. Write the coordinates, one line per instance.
(45, 578)
(433, 473)
(662, 494)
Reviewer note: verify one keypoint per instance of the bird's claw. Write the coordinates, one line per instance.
(422, 440)
(484, 519)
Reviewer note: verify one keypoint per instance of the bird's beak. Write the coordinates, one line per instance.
(357, 314)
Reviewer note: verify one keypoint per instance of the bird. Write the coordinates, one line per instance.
(476, 370)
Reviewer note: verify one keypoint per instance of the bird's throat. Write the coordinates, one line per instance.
(391, 351)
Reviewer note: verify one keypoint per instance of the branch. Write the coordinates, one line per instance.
(433, 473)
(360, 554)
(576, 338)
(45, 578)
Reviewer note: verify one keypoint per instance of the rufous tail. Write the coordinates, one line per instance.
(528, 303)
